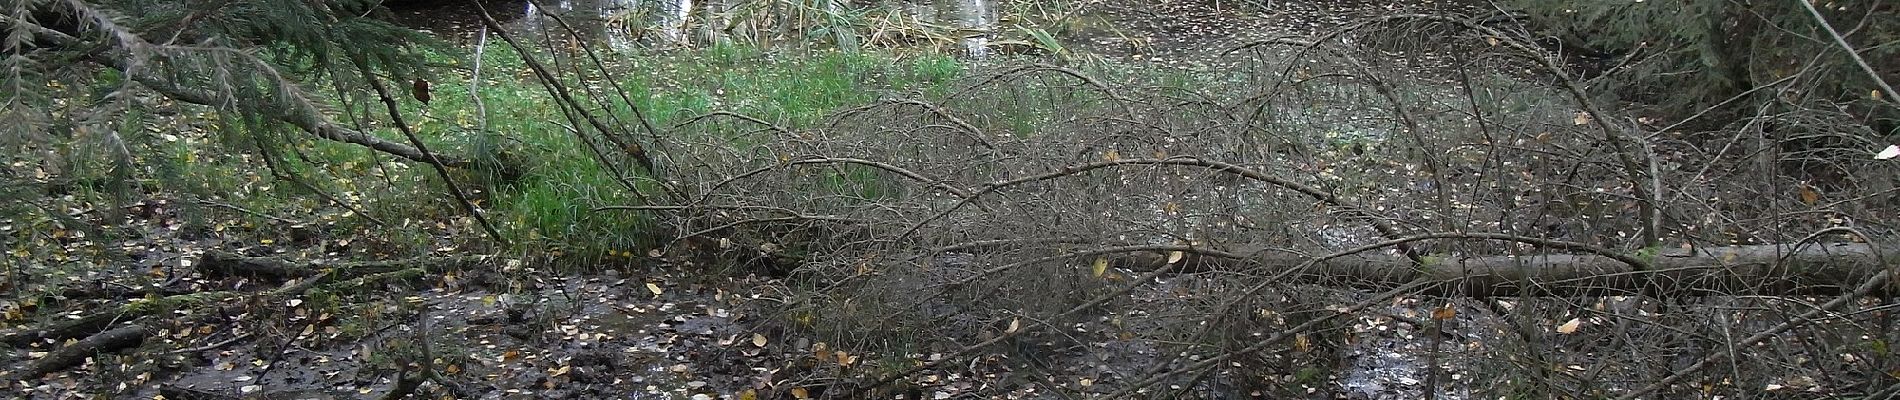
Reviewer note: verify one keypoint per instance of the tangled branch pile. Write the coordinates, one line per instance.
(1217, 231)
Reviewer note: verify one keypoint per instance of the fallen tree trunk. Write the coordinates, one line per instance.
(219, 264)
(1781, 270)
(129, 335)
(64, 330)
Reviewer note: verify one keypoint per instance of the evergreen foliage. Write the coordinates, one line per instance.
(1691, 54)
(244, 58)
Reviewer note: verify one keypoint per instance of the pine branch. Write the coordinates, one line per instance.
(291, 106)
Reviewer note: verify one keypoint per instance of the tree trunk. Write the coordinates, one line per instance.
(1782, 270)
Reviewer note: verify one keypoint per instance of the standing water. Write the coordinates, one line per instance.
(670, 23)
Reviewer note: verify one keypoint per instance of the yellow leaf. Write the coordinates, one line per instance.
(1014, 325)
(1302, 343)
(1809, 196)
(1874, 93)
(758, 340)
(749, 394)
(489, 300)
(1100, 266)
(1112, 155)
(655, 288)
(845, 359)
(1493, 40)
(800, 393)
(1175, 257)
(1570, 327)
(1582, 118)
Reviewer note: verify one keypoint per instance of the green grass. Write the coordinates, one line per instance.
(546, 208)
(547, 211)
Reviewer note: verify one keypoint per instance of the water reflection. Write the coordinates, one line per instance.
(971, 20)
(667, 23)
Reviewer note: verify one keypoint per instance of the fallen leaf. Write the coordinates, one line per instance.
(1175, 257)
(1582, 118)
(1570, 327)
(655, 288)
(800, 393)
(1014, 325)
(1809, 196)
(1100, 266)
(1444, 313)
(1890, 152)
(758, 340)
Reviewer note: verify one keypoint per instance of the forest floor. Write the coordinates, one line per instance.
(635, 328)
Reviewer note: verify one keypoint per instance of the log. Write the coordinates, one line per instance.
(129, 335)
(1776, 270)
(61, 331)
(218, 264)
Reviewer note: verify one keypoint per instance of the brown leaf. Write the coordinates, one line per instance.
(1444, 313)
(421, 90)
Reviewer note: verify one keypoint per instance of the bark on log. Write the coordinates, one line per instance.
(219, 264)
(1782, 270)
(61, 331)
(129, 335)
